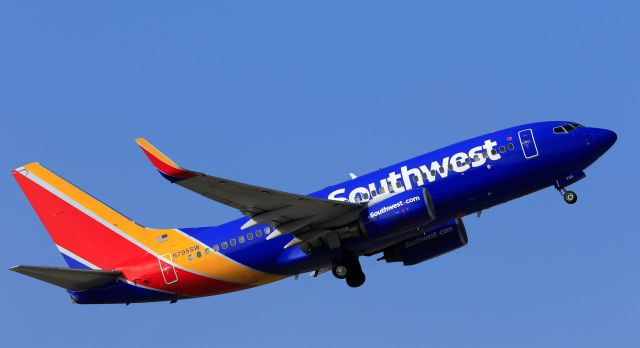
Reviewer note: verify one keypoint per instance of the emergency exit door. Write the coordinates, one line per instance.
(528, 143)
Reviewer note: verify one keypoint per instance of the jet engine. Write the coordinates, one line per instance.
(400, 213)
(429, 244)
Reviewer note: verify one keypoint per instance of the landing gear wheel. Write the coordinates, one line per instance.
(349, 268)
(356, 279)
(340, 271)
(570, 197)
(355, 276)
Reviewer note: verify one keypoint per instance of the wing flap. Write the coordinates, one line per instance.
(69, 278)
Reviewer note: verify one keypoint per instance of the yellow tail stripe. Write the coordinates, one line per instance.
(157, 153)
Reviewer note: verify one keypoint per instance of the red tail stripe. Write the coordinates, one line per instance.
(166, 168)
(89, 239)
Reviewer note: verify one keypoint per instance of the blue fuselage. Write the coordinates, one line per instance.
(462, 178)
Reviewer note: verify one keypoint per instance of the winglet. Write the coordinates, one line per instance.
(167, 168)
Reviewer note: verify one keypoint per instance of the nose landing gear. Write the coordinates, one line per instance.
(350, 270)
(569, 196)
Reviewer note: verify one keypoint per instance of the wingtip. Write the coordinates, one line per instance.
(167, 167)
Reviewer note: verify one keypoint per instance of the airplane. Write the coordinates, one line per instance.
(408, 212)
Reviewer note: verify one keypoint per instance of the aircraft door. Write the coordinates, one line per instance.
(528, 143)
(168, 271)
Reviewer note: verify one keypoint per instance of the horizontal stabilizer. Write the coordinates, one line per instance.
(69, 278)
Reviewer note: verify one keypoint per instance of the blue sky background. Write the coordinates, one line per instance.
(295, 95)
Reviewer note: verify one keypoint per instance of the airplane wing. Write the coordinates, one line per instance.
(69, 278)
(288, 212)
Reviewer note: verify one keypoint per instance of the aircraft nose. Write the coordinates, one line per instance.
(604, 138)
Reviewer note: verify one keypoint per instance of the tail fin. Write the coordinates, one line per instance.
(88, 233)
(91, 235)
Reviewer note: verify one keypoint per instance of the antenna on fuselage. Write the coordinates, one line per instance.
(353, 176)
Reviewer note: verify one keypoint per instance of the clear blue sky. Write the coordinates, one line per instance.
(295, 95)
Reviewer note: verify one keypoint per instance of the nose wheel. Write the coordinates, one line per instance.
(350, 270)
(569, 196)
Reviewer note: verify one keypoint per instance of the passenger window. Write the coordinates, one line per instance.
(503, 149)
(250, 236)
(510, 146)
(433, 172)
(390, 188)
(232, 242)
(381, 190)
(415, 178)
(267, 230)
(398, 184)
(424, 176)
(458, 164)
(241, 239)
(199, 254)
(224, 245)
(485, 154)
(258, 233)
(374, 193)
(476, 158)
(467, 160)
(207, 251)
(494, 152)
(216, 248)
(441, 169)
(450, 166)
(190, 257)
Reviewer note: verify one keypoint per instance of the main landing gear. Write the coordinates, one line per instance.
(349, 269)
(569, 196)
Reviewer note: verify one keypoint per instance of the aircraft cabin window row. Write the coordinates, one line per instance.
(207, 251)
(232, 242)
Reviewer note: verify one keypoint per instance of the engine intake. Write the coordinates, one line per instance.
(431, 243)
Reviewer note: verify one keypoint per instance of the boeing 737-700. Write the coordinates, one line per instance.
(408, 212)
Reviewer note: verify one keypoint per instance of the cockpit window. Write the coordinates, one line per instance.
(559, 130)
(569, 127)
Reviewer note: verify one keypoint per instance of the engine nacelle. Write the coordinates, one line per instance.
(433, 242)
(399, 213)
